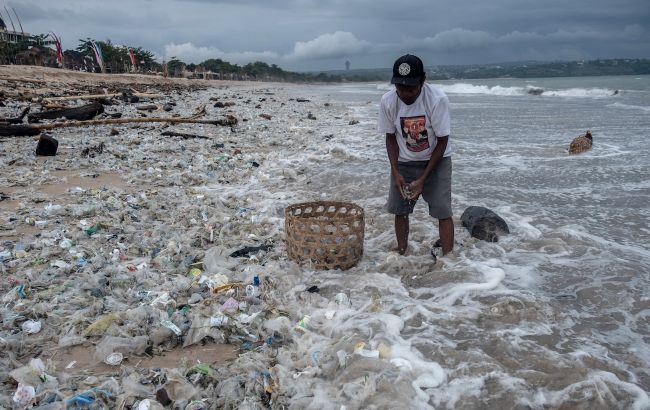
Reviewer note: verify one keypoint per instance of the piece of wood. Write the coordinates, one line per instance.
(151, 107)
(16, 120)
(18, 130)
(35, 129)
(82, 113)
(96, 96)
(183, 135)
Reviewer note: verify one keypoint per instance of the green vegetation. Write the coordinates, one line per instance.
(116, 58)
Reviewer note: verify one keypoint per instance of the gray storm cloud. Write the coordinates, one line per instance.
(320, 35)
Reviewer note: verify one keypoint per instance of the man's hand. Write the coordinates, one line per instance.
(400, 183)
(416, 188)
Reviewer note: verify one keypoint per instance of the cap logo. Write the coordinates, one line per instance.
(404, 69)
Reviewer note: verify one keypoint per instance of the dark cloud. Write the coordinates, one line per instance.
(312, 34)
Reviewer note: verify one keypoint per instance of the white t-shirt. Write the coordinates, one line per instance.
(416, 126)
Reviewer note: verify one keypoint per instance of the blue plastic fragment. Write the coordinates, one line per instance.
(21, 291)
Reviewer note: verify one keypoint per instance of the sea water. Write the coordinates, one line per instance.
(554, 315)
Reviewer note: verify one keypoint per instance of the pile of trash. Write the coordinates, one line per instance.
(100, 279)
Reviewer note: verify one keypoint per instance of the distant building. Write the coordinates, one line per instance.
(13, 37)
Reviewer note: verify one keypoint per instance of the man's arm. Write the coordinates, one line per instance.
(393, 154)
(418, 185)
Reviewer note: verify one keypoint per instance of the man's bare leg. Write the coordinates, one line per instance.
(402, 232)
(446, 230)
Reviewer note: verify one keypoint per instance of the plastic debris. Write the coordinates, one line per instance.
(114, 359)
(24, 395)
(31, 326)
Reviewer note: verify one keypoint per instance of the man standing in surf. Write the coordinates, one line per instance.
(415, 119)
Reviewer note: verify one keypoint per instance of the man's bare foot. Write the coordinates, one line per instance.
(402, 252)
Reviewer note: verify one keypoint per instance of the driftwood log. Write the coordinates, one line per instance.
(183, 135)
(16, 120)
(82, 113)
(150, 107)
(99, 96)
(27, 130)
(18, 130)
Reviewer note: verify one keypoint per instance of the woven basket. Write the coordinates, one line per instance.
(325, 234)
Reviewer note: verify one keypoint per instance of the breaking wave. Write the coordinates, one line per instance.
(467, 88)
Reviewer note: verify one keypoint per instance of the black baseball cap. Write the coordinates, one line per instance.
(407, 70)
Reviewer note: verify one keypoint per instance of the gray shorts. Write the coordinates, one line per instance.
(436, 192)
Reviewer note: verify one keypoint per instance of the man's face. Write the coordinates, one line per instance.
(408, 93)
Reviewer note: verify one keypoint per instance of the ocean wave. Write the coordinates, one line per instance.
(464, 88)
(467, 88)
(582, 92)
(630, 107)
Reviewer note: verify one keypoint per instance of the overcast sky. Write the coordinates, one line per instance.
(308, 35)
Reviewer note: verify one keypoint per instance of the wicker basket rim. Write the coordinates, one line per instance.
(346, 217)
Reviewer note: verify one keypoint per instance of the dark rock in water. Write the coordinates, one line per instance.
(484, 224)
(535, 91)
(47, 146)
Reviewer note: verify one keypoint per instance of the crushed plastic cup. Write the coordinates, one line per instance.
(19, 250)
(53, 209)
(218, 321)
(144, 405)
(230, 305)
(41, 224)
(303, 324)
(162, 300)
(342, 356)
(171, 326)
(31, 326)
(359, 349)
(114, 359)
(216, 281)
(24, 395)
(342, 299)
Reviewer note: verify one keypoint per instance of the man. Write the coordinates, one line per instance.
(415, 118)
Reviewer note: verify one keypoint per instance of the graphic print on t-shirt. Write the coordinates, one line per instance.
(415, 133)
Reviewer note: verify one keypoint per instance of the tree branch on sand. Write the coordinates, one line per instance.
(28, 130)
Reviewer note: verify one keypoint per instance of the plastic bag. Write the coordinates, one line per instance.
(126, 345)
